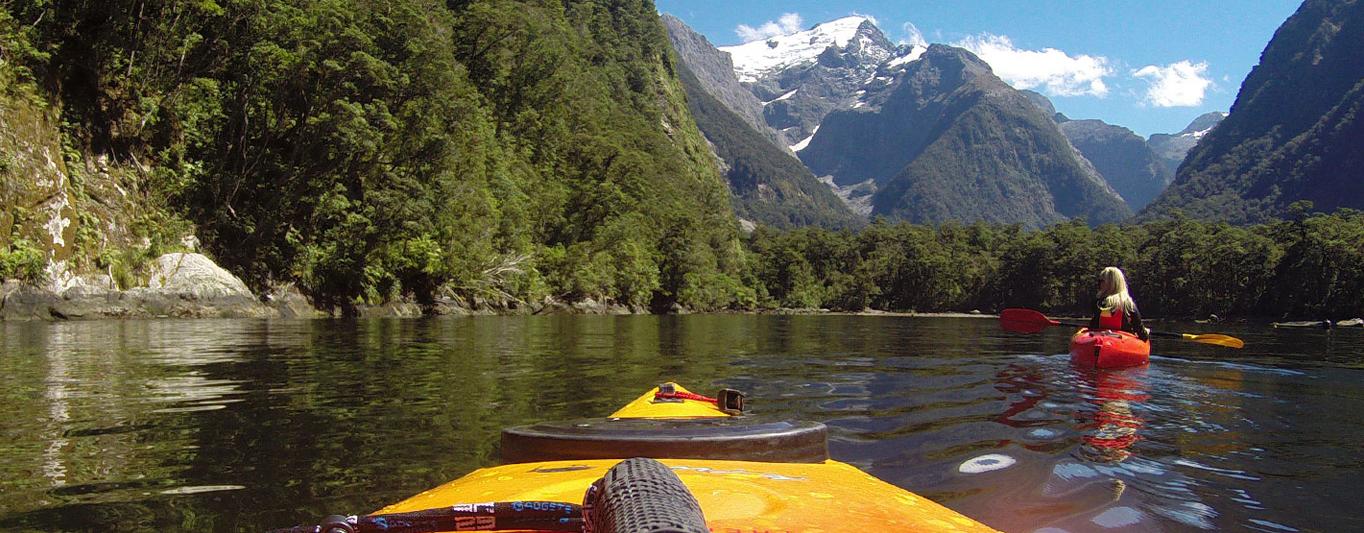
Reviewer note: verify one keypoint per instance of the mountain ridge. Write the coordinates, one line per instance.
(1122, 157)
(951, 141)
(714, 70)
(1293, 132)
(1173, 147)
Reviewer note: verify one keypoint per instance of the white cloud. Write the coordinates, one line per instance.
(913, 36)
(787, 23)
(1179, 84)
(1056, 72)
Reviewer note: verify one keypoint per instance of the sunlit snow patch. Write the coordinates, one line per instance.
(804, 142)
(782, 97)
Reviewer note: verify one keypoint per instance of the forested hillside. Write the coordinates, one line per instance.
(365, 149)
(769, 186)
(1295, 130)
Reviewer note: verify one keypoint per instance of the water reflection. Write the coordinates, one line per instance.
(1115, 393)
(238, 424)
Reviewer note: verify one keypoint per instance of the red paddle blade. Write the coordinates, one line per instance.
(1021, 320)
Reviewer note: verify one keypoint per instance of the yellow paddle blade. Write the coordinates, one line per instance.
(1215, 338)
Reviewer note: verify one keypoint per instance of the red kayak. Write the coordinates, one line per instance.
(1108, 349)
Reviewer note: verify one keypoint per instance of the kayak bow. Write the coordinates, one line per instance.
(734, 495)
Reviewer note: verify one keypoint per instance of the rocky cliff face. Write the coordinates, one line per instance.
(769, 185)
(36, 204)
(1294, 132)
(77, 220)
(714, 71)
(76, 216)
(945, 139)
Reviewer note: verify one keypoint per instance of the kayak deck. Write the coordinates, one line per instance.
(1108, 349)
(735, 495)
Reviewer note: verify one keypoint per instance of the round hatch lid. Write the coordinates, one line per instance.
(729, 438)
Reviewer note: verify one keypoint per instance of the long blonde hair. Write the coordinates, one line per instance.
(1113, 290)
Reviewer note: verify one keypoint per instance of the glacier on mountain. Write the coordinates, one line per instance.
(753, 59)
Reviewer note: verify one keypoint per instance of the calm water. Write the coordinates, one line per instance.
(243, 425)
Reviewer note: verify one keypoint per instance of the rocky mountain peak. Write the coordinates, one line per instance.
(948, 67)
(1203, 123)
(950, 55)
(856, 35)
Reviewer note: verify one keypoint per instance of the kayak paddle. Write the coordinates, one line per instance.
(1021, 320)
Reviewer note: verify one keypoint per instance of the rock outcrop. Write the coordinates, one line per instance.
(183, 285)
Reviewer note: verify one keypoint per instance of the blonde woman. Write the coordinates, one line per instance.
(1115, 309)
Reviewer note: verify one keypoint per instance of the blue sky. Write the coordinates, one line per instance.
(1151, 66)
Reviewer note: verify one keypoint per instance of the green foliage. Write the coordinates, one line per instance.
(367, 149)
(1310, 267)
(16, 53)
(516, 149)
(24, 261)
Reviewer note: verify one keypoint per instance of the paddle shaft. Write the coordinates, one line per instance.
(1078, 324)
(1031, 321)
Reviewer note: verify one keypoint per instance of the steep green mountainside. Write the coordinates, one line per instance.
(1124, 159)
(1295, 130)
(714, 72)
(769, 186)
(951, 141)
(363, 149)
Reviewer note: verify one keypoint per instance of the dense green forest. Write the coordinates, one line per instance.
(1308, 266)
(508, 151)
(499, 150)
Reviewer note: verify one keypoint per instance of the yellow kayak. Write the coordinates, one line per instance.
(812, 494)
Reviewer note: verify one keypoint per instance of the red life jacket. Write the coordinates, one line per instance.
(1110, 319)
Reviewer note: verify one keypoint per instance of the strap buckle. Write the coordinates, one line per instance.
(730, 401)
(667, 393)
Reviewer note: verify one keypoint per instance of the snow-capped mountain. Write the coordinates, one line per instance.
(802, 76)
(1173, 147)
(760, 59)
(948, 140)
(768, 185)
(920, 133)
